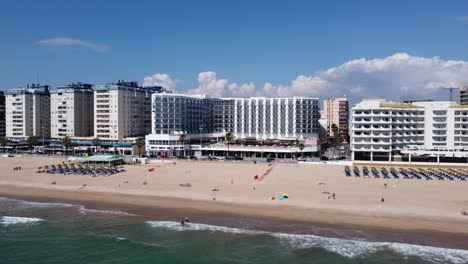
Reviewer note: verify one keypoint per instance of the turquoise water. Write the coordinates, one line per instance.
(32, 232)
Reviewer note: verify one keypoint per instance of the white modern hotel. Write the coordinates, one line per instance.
(420, 130)
(256, 119)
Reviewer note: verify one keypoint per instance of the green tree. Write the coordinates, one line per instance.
(182, 138)
(140, 143)
(96, 143)
(301, 146)
(66, 142)
(229, 136)
(336, 136)
(31, 141)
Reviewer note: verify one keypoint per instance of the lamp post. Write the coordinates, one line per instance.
(43, 148)
(201, 139)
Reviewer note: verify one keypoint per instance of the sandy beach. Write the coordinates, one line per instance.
(413, 205)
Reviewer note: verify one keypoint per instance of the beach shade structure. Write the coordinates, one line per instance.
(375, 172)
(384, 173)
(347, 171)
(404, 173)
(365, 171)
(394, 173)
(356, 171)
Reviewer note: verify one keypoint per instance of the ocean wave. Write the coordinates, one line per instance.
(345, 247)
(38, 204)
(81, 208)
(176, 226)
(86, 211)
(13, 220)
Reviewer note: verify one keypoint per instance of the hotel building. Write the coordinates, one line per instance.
(336, 111)
(122, 111)
(72, 111)
(383, 130)
(28, 112)
(256, 120)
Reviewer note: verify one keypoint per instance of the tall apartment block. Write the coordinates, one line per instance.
(28, 112)
(383, 129)
(336, 111)
(122, 110)
(464, 95)
(2, 115)
(72, 111)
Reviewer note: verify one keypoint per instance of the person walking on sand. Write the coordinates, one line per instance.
(385, 185)
(382, 200)
(329, 196)
(334, 196)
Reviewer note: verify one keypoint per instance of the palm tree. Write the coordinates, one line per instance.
(229, 136)
(301, 146)
(3, 142)
(31, 141)
(96, 142)
(182, 138)
(66, 142)
(140, 143)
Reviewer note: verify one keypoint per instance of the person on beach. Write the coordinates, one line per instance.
(182, 223)
(385, 185)
(186, 220)
(329, 196)
(334, 197)
(382, 200)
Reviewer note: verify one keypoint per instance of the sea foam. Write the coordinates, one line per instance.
(345, 247)
(13, 220)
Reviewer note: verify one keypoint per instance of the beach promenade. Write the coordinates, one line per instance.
(230, 188)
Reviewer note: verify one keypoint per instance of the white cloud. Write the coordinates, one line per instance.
(397, 77)
(73, 42)
(209, 84)
(161, 79)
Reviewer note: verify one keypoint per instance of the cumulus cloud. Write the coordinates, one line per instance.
(73, 42)
(161, 79)
(397, 77)
(209, 84)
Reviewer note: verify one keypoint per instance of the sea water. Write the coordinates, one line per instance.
(33, 232)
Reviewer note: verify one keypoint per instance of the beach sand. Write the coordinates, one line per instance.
(414, 205)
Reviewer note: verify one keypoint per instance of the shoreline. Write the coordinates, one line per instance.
(220, 213)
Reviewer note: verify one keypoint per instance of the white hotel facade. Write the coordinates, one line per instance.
(253, 119)
(383, 130)
(27, 112)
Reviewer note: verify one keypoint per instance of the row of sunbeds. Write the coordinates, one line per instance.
(410, 173)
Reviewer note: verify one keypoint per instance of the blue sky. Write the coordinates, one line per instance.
(243, 42)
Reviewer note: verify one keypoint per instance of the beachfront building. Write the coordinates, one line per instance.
(464, 95)
(72, 111)
(336, 111)
(122, 110)
(2, 115)
(28, 112)
(258, 124)
(418, 130)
